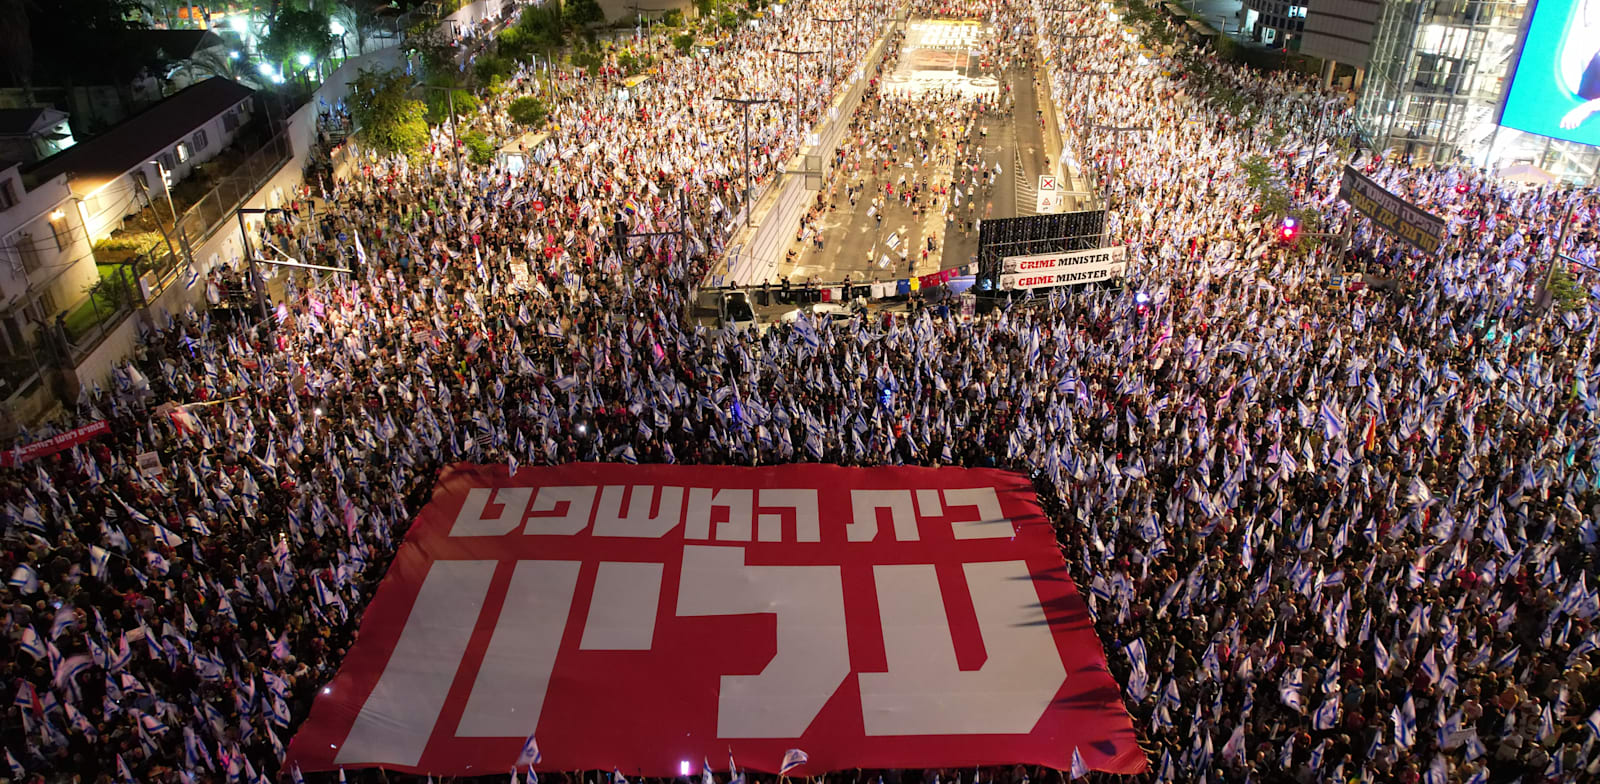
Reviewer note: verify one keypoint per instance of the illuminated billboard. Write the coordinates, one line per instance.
(1555, 90)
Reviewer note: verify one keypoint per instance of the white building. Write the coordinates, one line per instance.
(46, 259)
(118, 172)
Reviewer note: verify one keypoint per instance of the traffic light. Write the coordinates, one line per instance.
(1290, 230)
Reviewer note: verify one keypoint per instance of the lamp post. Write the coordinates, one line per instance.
(167, 186)
(746, 103)
(832, 59)
(797, 53)
(1105, 225)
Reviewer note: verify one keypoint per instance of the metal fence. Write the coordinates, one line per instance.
(202, 219)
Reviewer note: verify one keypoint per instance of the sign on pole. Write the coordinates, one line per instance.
(1419, 229)
(1062, 269)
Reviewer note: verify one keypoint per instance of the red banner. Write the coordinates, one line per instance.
(647, 617)
(53, 444)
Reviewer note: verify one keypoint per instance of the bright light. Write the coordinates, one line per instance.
(304, 59)
(683, 767)
(238, 23)
(317, 411)
(233, 55)
(57, 215)
(335, 28)
(277, 78)
(583, 430)
(264, 69)
(1141, 298)
(327, 690)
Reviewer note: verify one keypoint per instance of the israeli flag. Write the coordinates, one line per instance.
(705, 772)
(793, 758)
(1079, 770)
(33, 645)
(24, 579)
(1405, 723)
(530, 753)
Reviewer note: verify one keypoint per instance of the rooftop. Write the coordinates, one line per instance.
(25, 121)
(93, 163)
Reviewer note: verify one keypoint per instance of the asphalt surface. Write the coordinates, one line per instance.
(854, 241)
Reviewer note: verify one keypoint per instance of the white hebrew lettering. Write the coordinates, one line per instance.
(509, 691)
(639, 523)
(924, 692)
(471, 522)
(579, 501)
(864, 505)
(422, 665)
(807, 527)
(991, 522)
(697, 520)
(813, 654)
(622, 612)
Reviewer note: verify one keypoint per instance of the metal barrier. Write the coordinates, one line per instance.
(216, 208)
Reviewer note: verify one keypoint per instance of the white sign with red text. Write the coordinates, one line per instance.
(1062, 269)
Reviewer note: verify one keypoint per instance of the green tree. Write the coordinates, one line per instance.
(1565, 293)
(683, 42)
(528, 111)
(580, 14)
(585, 60)
(478, 149)
(391, 121)
(293, 33)
(673, 17)
(439, 105)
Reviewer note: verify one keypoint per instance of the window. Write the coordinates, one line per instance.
(199, 140)
(183, 152)
(28, 251)
(8, 195)
(167, 161)
(230, 121)
(58, 227)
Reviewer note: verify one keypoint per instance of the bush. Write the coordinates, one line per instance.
(439, 105)
(673, 17)
(683, 42)
(704, 8)
(586, 60)
(527, 111)
(479, 150)
(138, 241)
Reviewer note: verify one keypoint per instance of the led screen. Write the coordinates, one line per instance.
(1556, 88)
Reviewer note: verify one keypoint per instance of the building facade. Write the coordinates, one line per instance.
(1437, 71)
(1276, 23)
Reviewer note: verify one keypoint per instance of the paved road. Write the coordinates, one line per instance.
(854, 239)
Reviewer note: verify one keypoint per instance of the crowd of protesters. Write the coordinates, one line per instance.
(1328, 532)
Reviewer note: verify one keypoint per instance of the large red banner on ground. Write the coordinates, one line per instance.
(645, 617)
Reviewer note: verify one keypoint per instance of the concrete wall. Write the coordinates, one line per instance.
(755, 253)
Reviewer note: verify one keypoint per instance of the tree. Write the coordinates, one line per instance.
(683, 42)
(580, 14)
(359, 18)
(390, 120)
(478, 149)
(293, 33)
(528, 111)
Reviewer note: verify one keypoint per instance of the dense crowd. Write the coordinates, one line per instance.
(1329, 533)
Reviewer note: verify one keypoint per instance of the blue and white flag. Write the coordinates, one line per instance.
(530, 753)
(793, 758)
(1405, 723)
(24, 579)
(1079, 770)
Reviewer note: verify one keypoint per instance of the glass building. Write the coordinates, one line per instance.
(1436, 74)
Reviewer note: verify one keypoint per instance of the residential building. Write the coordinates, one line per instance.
(31, 133)
(133, 165)
(46, 259)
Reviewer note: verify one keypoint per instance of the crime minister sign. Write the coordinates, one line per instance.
(635, 617)
(1062, 269)
(1421, 230)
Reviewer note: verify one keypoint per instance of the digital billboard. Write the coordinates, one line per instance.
(1555, 90)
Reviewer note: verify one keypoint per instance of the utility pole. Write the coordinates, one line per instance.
(1105, 224)
(450, 100)
(797, 53)
(746, 103)
(832, 60)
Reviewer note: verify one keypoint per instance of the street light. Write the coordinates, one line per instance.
(746, 103)
(304, 60)
(1105, 225)
(797, 53)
